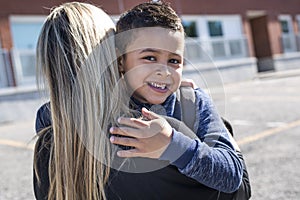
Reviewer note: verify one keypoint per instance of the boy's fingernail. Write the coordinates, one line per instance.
(119, 154)
(112, 138)
(119, 119)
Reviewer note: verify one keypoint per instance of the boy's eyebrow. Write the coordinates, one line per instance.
(149, 50)
(155, 51)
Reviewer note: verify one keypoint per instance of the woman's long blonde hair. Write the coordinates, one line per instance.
(77, 57)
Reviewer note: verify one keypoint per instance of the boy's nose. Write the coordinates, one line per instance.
(163, 70)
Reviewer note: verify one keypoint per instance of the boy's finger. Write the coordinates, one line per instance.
(128, 153)
(128, 131)
(125, 141)
(149, 115)
(115, 130)
(125, 131)
(139, 123)
(132, 122)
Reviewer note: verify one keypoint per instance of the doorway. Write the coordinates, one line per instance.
(261, 43)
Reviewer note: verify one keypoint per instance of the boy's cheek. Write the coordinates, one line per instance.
(179, 74)
(179, 71)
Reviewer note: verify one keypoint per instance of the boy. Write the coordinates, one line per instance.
(150, 40)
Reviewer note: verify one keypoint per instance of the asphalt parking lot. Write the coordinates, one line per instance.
(265, 114)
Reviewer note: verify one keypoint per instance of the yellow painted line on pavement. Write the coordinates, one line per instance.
(16, 144)
(240, 142)
(268, 132)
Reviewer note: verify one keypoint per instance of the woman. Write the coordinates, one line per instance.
(76, 57)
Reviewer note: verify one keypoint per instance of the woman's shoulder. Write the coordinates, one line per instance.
(43, 117)
(45, 108)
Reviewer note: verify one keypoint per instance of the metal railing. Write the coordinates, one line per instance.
(298, 41)
(216, 48)
(289, 43)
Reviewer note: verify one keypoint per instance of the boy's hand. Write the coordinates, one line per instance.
(149, 137)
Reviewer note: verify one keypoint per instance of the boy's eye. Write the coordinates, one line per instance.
(150, 58)
(174, 61)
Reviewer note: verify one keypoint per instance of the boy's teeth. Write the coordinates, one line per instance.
(158, 85)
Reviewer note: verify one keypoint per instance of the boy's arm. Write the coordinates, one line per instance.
(211, 160)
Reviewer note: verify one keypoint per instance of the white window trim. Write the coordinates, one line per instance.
(298, 23)
(27, 18)
(218, 17)
(190, 17)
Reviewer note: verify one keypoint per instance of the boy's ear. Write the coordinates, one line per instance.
(121, 64)
(120, 59)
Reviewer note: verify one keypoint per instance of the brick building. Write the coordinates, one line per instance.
(242, 37)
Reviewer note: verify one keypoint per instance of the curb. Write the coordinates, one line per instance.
(19, 93)
(278, 74)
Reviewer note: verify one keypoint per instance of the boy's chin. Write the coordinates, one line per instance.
(156, 101)
(151, 99)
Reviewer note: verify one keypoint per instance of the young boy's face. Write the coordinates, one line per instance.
(153, 63)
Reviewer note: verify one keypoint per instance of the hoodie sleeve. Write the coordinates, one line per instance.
(210, 157)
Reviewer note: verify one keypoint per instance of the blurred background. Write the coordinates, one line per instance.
(245, 53)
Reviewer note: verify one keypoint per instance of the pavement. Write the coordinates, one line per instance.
(264, 112)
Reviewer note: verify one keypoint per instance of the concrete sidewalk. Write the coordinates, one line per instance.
(18, 110)
(278, 74)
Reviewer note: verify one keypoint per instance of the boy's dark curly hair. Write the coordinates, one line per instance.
(150, 14)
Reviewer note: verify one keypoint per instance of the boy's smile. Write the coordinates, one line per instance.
(153, 64)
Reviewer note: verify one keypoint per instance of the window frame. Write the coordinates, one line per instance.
(288, 40)
(20, 77)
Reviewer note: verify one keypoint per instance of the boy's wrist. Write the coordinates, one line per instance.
(179, 146)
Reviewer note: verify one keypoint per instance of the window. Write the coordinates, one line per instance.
(215, 28)
(284, 26)
(190, 28)
(288, 37)
(25, 32)
(218, 36)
